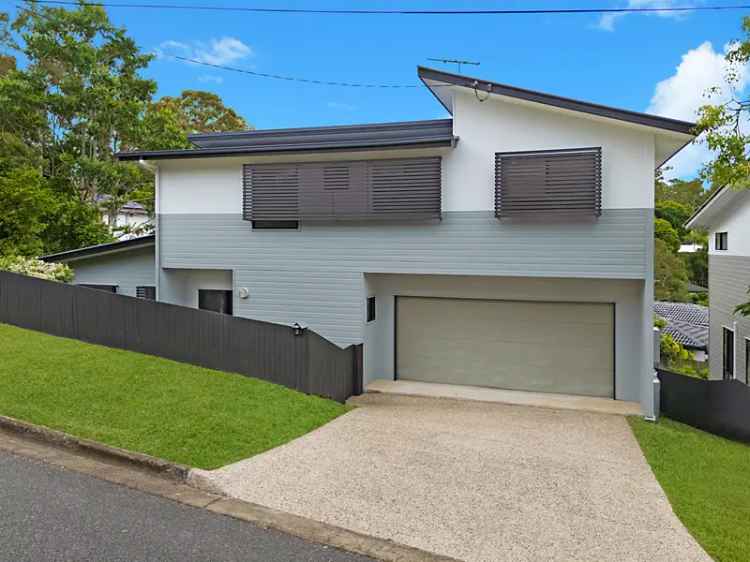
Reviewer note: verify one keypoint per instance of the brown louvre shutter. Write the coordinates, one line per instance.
(408, 188)
(270, 192)
(548, 182)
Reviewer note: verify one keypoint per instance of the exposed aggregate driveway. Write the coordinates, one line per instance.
(475, 481)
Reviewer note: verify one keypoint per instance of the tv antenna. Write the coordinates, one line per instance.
(455, 61)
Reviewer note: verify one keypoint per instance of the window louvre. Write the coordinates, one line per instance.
(270, 193)
(335, 177)
(146, 292)
(548, 182)
(405, 189)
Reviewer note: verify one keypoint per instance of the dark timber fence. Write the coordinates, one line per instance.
(717, 406)
(306, 362)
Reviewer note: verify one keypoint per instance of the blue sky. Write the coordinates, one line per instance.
(616, 62)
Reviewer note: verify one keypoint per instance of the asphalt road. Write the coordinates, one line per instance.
(50, 514)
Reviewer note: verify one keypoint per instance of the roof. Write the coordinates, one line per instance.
(406, 134)
(100, 249)
(431, 76)
(127, 206)
(720, 200)
(687, 323)
(693, 288)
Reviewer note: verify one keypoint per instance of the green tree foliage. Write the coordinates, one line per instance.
(202, 112)
(663, 231)
(689, 193)
(724, 129)
(722, 125)
(675, 213)
(670, 274)
(77, 100)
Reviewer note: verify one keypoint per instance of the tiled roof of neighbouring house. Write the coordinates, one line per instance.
(686, 323)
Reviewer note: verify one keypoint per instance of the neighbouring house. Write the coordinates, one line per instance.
(688, 324)
(125, 267)
(509, 246)
(726, 215)
(132, 216)
(690, 248)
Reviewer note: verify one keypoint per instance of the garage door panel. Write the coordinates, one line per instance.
(536, 346)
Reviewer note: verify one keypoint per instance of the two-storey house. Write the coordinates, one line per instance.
(726, 216)
(510, 246)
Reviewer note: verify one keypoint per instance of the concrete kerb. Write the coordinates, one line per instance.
(185, 485)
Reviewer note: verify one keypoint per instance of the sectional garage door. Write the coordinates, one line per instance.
(522, 345)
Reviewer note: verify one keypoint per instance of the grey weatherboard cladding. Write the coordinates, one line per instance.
(315, 275)
(402, 189)
(550, 182)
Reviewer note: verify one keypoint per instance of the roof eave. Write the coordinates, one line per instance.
(694, 221)
(101, 249)
(263, 151)
(644, 119)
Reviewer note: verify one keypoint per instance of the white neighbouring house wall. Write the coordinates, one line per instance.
(734, 219)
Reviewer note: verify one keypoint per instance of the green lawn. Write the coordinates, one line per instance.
(187, 414)
(707, 481)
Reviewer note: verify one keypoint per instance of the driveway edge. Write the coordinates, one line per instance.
(184, 485)
(142, 461)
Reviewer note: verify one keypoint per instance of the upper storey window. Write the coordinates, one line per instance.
(402, 189)
(549, 182)
(721, 241)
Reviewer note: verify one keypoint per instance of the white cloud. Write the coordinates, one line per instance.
(341, 106)
(607, 21)
(210, 78)
(682, 94)
(219, 51)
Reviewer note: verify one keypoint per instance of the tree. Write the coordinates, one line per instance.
(78, 100)
(664, 231)
(689, 193)
(670, 274)
(675, 213)
(202, 112)
(724, 127)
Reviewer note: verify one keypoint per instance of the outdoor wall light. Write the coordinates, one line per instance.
(243, 292)
(298, 330)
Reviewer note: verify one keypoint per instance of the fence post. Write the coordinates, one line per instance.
(656, 383)
(358, 369)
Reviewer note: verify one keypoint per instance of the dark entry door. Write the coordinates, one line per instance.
(215, 300)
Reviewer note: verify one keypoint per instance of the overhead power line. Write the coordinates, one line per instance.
(293, 78)
(406, 12)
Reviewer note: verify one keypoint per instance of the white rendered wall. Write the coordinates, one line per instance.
(183, 284)
(491, 126)
(735, 221)
(214, 185)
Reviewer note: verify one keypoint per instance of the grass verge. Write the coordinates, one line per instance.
(707, 481)
(175, 411)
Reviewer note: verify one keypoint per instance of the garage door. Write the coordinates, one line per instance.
(521, 345)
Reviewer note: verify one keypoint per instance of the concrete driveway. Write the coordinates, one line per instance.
(475, 481)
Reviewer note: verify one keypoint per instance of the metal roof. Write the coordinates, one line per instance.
(99, 249)
(407, 134)
(429, 76)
